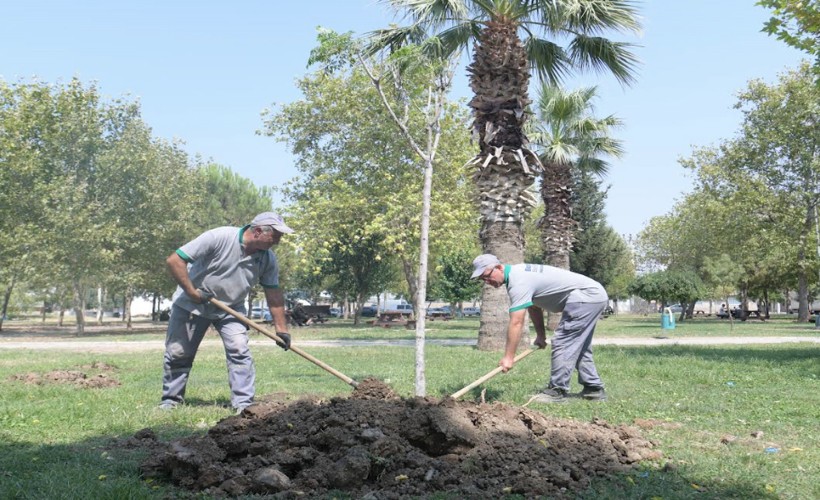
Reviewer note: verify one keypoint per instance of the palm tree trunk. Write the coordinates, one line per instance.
(506, 168)
(557, 226)
(505, 240)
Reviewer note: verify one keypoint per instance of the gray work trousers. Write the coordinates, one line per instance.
(572, 345)
(185, 333)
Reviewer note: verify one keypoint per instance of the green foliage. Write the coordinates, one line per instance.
(722, 275)
(453, 283)
(599, 252)
(797, 23)
(230, 199)
(533, 252)
(101, 201)
(667, 287)
(566, 131)
(356, 268)
(755, 196)
(368, 184)
(455, 25)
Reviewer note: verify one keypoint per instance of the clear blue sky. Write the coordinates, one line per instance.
(204, 70)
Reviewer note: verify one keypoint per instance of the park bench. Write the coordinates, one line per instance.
(389, 319)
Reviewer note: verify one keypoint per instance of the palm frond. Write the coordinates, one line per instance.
(393, 38)
(547, 59)
(593, 165)
(558, 152)
(555, 105)
(603, 145)
(565, 129)
(433, 14)
(596, 16)
(457, 37)
(601, 54)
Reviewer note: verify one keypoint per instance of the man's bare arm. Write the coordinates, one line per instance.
(537, 318)
(514, 329)
(178, 269)
(276, 304)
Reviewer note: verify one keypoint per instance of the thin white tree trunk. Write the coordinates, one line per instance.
(421, 299)
(126, 310)
(437, 95)
(79, 308)
(100, 304)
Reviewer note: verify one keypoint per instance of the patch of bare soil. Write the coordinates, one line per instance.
(377, 445)
(76, 377)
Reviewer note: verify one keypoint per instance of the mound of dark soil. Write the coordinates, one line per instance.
(377, 445)
(78, 378)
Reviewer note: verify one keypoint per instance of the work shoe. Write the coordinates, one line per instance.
(239, 409)
(591, 393)
(550, 395)
(168, 405)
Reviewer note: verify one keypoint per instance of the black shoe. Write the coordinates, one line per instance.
(593, 393)
(550, 395)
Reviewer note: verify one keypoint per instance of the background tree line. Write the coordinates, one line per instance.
(90, 200)
(751, 224)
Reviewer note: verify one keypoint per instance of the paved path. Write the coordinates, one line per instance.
(158, 345)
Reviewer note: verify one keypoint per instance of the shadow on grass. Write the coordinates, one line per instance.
(97, 467)
(716, 353)
(669, 485)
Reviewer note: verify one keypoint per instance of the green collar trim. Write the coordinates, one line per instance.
(242, 233)
(507, 273)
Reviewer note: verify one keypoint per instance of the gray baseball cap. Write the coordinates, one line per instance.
(482, 262)
(271, 219)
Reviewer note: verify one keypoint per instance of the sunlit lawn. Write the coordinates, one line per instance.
(702, 405)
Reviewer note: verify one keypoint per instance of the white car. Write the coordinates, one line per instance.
(471, 311)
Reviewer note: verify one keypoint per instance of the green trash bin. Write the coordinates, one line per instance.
(668, 319)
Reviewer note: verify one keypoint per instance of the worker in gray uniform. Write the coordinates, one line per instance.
(535, 288)
(222, 263)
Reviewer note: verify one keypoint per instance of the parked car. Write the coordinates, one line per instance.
(438, 312)
(335, 312)
(471, 311)
(369, 311)
(402, 308)
(257, 312)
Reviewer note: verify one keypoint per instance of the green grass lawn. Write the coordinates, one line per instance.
(701, 405)
(467, 328)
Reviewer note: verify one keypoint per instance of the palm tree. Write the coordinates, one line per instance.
(568, 136)
(504, 34)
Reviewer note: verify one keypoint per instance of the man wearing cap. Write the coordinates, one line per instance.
(223, 263)
(535, 288)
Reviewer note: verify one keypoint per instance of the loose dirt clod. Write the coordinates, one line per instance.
(379, 445)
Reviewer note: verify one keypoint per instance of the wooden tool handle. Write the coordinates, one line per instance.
(490, 375)
(252, 324)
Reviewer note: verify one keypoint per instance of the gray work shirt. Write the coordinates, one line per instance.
(217, 263)
(549, 288)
